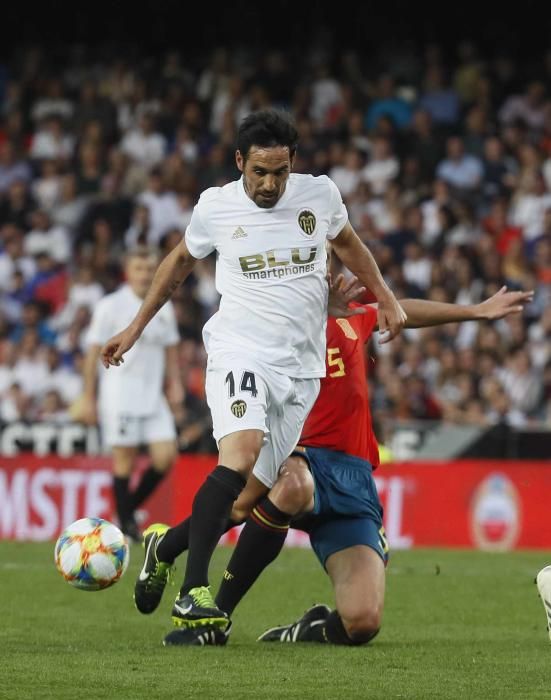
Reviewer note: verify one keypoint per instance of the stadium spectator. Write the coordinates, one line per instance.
(17, 205)
(388, 104)
(143, 144)
(382, 167)
(162, 206)
(51, 141)
(12, 168)
(528, 108)
(460, 170)
(43, 237)
(438, 99)
(348, 176)
(13, 259)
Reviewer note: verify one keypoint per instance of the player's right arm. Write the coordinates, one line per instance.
(170, 274)
(88, 411)
(423, 313)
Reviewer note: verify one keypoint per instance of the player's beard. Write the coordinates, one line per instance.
(265, 203)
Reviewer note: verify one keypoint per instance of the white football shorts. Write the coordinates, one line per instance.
(122, 430)
(243, 396)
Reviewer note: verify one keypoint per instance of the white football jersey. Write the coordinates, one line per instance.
(270, 270)
(135, 388)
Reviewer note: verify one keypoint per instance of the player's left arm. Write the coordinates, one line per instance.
(173, 381)
(422, 313)
(359, 260)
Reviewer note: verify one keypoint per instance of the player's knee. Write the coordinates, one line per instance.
(164, 463)
(240, 451)
(293, 491)
(364, 624)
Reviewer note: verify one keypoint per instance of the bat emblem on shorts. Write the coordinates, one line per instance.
(239, 408)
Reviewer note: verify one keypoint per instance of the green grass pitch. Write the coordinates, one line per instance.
(457, 625)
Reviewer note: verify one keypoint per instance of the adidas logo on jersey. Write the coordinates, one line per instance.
(239, 233)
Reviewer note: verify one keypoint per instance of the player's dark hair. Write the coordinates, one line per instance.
(267, 128)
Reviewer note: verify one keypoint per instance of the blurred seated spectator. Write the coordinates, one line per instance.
(17, 205)
(46, 189)
(539, 335)
(326, 98)
(476, 130)
(51, 141)
(13, 258)
(169, 241)
(91, 107)
(84, 292)
(52, 102)
(498, 170)
(417, 266)
(382, 166)
(186, 144)
(529, 209)
(528, 108)
(138, 232)
(49, 283)
(47, 238)
(14, 404)
(89, 169)
(69, 209)
(52, 409)
(460, 170)
(387, 103)
(11, 167)
(33, 317)
(163, 206)
(520, 381)
(143, 144)
(497, 225)
(61, 377)
(423, 143)
(30, 369)
(542, 255)
(71, 342)
(348, 176)
(439, 99)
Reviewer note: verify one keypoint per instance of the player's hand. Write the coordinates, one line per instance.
(113, 350)
(503, 303)
(341, 293)
(391, 317)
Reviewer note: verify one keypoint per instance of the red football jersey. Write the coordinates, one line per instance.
(340, 419)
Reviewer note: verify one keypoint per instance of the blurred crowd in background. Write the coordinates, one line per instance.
(444, 164)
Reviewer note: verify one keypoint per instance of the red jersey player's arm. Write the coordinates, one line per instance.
(422, 313)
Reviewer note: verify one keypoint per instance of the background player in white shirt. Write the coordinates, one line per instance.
(130, 404)
(266, 344)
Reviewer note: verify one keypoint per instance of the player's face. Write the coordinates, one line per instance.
(265, 172)
(139, 274)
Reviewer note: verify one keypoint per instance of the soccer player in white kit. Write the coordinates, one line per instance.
(131, 405)
(266, 344)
